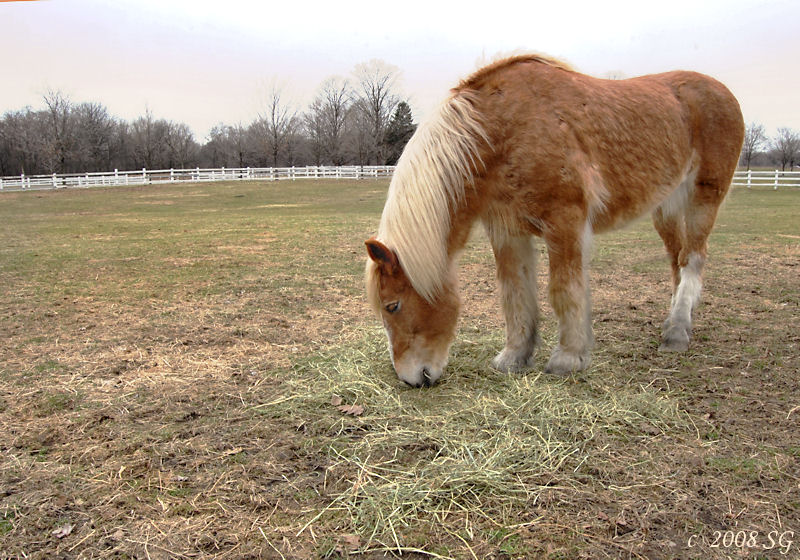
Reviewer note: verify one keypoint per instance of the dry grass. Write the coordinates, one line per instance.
(477, 446)
(174, 361)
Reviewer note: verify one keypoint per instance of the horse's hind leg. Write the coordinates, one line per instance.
(516, 275)
(684, 229)
(670, 224)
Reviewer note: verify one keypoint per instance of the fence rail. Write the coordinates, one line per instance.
(772, 179)
(198, 174)
(747, 179)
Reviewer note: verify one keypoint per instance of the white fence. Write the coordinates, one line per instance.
(772, 179)
(747, 179)
(150, 176)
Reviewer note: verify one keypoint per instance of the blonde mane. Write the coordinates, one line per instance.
(428, 184)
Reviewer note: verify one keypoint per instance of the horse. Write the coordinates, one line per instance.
(532, 148)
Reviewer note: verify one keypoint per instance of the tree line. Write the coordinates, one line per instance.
(356, 121)
(361, 121)
(760, 150)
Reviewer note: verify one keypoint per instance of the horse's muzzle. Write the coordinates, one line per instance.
(424, 382)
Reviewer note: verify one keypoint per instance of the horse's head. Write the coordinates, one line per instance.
(420, 332)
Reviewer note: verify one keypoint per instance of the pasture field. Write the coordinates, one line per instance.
(192, 371)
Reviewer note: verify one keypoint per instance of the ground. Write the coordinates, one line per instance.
(192, 371)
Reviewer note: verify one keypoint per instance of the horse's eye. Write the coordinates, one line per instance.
(392, 307)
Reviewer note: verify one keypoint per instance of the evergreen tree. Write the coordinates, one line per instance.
(399, 132)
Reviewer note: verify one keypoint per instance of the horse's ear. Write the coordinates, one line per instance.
(384, 257)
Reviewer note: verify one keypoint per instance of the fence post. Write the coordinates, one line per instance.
(749, 178)
(55, 181)
(116, 176)
(144, 175)
(776, 180)
(171, 175)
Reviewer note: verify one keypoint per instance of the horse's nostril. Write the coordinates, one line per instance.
(426, 378)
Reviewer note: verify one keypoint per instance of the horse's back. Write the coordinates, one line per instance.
(615, 148)
(545, 92)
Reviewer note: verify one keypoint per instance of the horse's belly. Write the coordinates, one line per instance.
(623, 206)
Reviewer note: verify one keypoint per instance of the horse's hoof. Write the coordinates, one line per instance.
(508, 361)
(673, 346)
(675, 339)
(563, 362)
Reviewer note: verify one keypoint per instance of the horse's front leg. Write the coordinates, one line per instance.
(569, 253)
(516, 276)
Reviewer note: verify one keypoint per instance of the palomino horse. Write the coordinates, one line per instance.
(532, 148)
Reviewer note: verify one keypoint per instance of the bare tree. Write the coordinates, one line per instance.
(65, 137)
(93, 137)
(315, 132)
(148, 141)
(375, 99)
(786, 146)
(754, 139)
(360, 142)
(332, 105)
(59, 139)
(8, 151)
(121, 150)
(237, 136)
(276, 125)
(22, 137)
(214, 152)
(227, 146)
(180, 144)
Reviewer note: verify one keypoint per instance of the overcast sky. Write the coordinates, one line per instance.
(202, 62)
